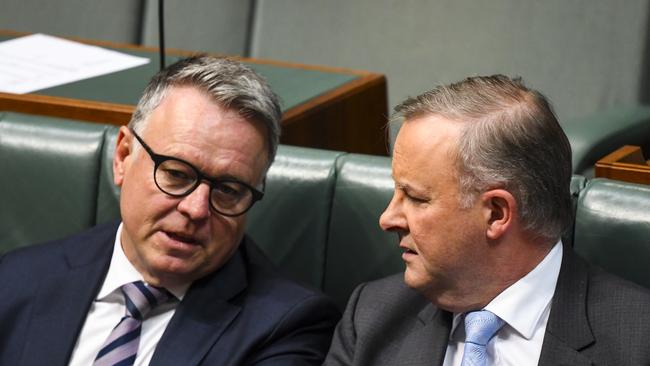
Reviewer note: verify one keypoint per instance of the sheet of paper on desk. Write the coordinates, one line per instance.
(39, 61)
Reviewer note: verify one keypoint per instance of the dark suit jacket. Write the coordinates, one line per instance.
(595, 319)
(242, 314)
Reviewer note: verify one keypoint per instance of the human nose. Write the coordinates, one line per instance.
(392, 219)
(196, 205)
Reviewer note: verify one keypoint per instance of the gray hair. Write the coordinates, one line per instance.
(511, 139)
(230, 84)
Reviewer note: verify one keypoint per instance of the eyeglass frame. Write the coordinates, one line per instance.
(158, 159)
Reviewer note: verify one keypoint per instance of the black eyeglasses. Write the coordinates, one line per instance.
(176, 177)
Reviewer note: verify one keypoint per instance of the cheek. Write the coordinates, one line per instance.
(136, 185)
(226, 232)
(142, 205)
(426, 231)
(438, 236)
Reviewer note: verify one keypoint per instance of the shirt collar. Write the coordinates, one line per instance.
(522, 304)
(121, 272)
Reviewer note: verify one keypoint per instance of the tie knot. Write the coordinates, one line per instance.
(481, 326)
(140, 298)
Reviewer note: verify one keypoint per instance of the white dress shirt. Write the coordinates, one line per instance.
(525, 307)
(108, 309)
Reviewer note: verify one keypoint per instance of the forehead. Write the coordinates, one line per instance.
(189, 124)
(424, 148)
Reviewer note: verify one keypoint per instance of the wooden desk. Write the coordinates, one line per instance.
(627, 164)
(324, 107)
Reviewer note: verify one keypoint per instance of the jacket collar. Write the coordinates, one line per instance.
(63, 299)
(568, 331)
(207, 309)
(427, 343)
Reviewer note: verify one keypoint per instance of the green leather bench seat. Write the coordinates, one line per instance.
(612, 228)
(291, 222)
(357, 248)
(318, 220)
(108, 194)
(49, 173)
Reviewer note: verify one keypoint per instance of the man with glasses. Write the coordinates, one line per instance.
(176, 282)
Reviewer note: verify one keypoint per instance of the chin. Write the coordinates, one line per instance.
(412, 280)
(174, 269)
(425, 285)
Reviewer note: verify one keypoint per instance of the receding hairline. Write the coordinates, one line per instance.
(229, 83)
(507, 101)
(174, 88)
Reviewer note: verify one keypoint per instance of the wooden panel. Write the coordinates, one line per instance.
(87, 110)
(353, 116)
(628, 163)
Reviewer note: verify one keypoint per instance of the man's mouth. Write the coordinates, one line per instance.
(182, 237)
(407, 250)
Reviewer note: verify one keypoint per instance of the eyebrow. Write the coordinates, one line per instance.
(224, 177)
(409, 188)
(229, 177)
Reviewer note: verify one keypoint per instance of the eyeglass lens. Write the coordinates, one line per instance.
(177, 178)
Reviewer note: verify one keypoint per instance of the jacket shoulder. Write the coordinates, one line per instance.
(279, 320)
(617, 304)
(619, 319)
(263, 274)
(48, 256)
(389, 294)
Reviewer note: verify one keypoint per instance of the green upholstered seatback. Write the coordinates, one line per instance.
(108, 194)
(291, 222)
(612, 228)
(48, 177)
(358, 249)
(577, 183)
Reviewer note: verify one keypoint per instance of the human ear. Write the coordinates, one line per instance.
(122, 154)
(500, 209)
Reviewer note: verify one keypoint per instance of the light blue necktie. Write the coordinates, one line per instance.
(121, 347)
(480, 327)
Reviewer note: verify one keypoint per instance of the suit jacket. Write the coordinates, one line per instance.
(242, 314)
(595, 319)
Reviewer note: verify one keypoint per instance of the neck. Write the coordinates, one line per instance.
(507, 265)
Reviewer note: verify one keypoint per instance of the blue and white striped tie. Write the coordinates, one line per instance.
(121, 347)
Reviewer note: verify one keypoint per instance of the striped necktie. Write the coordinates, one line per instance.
(121, 347)
(480, 327)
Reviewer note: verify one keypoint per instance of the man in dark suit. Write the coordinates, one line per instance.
(176, 282)
(482, 171)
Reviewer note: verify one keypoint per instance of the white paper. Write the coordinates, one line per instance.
(39, 61)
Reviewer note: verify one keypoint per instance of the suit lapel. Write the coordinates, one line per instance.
(63, 299)
(557, 352)
(203, 315)
(568, 331)
(427, 344)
